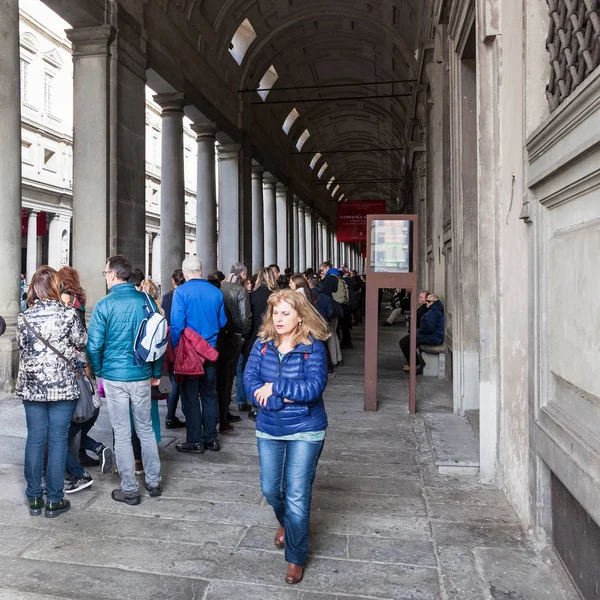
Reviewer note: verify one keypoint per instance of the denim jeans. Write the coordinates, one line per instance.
(201, 418)
(287, 472)
(47, 422)
(173, 398)
(240, 394)
(119, 396)
(87, 443)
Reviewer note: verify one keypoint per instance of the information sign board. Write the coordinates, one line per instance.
(390, 250)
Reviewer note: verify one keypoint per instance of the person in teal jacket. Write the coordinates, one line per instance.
(111, 336)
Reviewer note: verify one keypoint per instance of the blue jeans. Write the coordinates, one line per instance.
(287, 472)
(173, 398)
(240, 394)
(47, 422)
(87, 443)
(200, 419)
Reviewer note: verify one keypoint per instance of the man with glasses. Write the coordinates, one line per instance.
(111, 337)
(430, 331)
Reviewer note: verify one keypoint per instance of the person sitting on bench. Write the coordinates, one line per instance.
(430, 332)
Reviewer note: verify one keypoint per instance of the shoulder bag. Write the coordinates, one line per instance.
(84, 409)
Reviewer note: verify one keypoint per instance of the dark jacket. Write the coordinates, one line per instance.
(301, 376)
(112, 332)
(431, 331)
(420, 312)
(167, 302)
(237, 308)
(323, 303)
(197, 304)
(258, 307)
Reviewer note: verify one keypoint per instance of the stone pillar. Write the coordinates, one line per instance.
(296, 227)
(319, 241)
(109, 210)
(270, 219)
(229, 225)
(258, 219)
(172, 186)
(308, 221)
(206, 198)
(301, 237)
(147, 255)
(10, 190)
(156, 260)
(334, 244)
(31, 244)
(281, 194)
(54, 241)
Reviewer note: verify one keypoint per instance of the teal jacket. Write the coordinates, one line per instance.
(111, 334)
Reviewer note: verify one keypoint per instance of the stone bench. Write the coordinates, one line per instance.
(435, 360)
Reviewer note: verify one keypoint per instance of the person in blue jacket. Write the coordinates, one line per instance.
(111, 336)
(285, 377)
(431, 329)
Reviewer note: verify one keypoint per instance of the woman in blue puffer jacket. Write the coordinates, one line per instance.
(285, 377)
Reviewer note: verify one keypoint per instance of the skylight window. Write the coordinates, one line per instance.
(241, 41)
(322, 170)
(267, 82)
(330, 182)
(289, 121)
(335, 190)
(315, 160)
(341, 198)
(302, 139)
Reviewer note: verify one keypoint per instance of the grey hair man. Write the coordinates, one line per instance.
(232, 339)
(198, 305)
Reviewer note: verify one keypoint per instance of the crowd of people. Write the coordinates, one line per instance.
(276, 335)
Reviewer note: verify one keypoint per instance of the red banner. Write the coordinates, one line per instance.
(352, 219)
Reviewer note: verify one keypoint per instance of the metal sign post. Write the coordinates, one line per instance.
(389, 267)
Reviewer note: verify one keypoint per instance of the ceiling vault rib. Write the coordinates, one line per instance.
(340, 151)
(324, 86)
(336, 99)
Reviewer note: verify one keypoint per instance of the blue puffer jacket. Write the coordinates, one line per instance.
(431, 330)
(111, 335)
(301, 376)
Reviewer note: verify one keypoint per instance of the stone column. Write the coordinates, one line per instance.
(319, 241)
(31, 244)
(296, 227)
(147, 255)
(281, 193)
(301, 237)
(156, 260)
(270, 226)
(54, 241)
(258, 219)
(335, 256)
(206, 199)
(308, 221)
(229, 225)
(172, 186)
(10, 190)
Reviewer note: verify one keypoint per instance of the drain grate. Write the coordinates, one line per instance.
(576, 537)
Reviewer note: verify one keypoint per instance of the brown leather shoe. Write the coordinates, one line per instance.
(279, 540)
(295, 573)
(226, 428)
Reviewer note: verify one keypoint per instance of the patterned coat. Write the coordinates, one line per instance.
(43, 375)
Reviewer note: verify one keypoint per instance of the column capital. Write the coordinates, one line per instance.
(308, 209)
(269, 180)
(91, 41)
(257, 172)
(301, 205)
(228, 151)
(204, 130)
(170, 103)
(281, 188)
(295, 199)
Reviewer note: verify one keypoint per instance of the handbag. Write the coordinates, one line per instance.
(84, 409)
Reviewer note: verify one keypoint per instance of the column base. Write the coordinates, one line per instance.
(9, 361)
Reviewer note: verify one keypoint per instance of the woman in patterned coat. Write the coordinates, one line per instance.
(47, 385)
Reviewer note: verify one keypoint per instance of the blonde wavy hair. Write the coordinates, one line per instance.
(151, 289)
(265, 276)
(312, 323)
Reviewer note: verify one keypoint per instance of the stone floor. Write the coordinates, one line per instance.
(385, 524)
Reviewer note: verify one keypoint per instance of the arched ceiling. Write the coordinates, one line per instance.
(322, 44)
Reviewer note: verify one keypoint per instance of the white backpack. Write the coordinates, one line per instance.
(151, 338)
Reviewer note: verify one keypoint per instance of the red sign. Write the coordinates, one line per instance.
(352, 219)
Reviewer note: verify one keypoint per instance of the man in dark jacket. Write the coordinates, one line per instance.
(231, 339)
(111, 337)
(431, 330)
(329, 286)
(199, 305)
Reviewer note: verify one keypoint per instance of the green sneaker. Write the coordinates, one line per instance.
(35, 506)
(53, 509)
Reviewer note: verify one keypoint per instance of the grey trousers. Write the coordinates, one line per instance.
(119, 396)
(333, 342)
